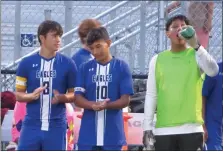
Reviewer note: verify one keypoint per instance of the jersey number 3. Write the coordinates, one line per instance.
(46, 91)
(102, 92)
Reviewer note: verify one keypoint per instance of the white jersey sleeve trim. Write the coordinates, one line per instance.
(79, 89)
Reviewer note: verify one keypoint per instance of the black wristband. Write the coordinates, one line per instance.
(198, 46)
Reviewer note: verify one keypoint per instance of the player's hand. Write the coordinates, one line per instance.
(58, 97)
(96, 106)
(36, 93)
(188, 34)
(148, 140)
(205, 133)
(101, 105)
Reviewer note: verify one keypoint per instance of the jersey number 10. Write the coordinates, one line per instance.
(103, 91)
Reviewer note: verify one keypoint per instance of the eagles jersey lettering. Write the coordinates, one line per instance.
(56, 73)
(96, 82)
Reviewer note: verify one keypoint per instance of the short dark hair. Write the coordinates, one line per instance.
(176, 17)
(85, 27)
(97, 34)
(49, 26)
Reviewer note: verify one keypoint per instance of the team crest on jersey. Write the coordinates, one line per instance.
(46, 74)
(102, 78)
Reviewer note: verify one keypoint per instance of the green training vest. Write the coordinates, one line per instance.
(179, 86)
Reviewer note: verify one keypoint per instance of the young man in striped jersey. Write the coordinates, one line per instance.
(104, 87)
(45, 81)
(174, 86)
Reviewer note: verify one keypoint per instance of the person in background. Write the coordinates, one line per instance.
(83, 54)
(8, 101)
(212, 101)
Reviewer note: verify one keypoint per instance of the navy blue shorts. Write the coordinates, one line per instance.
(33, 139)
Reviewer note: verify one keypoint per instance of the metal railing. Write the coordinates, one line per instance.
(129, 31)
(114, 8)
(68, 33)
(117, 33)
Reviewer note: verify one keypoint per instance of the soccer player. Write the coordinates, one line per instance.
(45, 81)
(174, 86)
(84, 55)
(212, 98)
(104, 87)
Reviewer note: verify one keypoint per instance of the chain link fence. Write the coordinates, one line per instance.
(134, 28)
(206, 17)
(24, 17)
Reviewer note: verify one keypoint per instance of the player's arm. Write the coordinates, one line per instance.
(21, 84)
(203, 107)
(80, 100)
(120, 103)
(203, 116)
(207, 89)
(206, 62)
(63, 98)
(126, 89)
(208, 86)
(70, 95)
(22, 96)
(71, 81)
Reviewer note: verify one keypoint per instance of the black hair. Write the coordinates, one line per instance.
(97, 34)
(176, 17)
(49, 26)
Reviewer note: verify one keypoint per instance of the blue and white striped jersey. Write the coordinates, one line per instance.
(82, 56)
(57, 73)
(97, 82)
